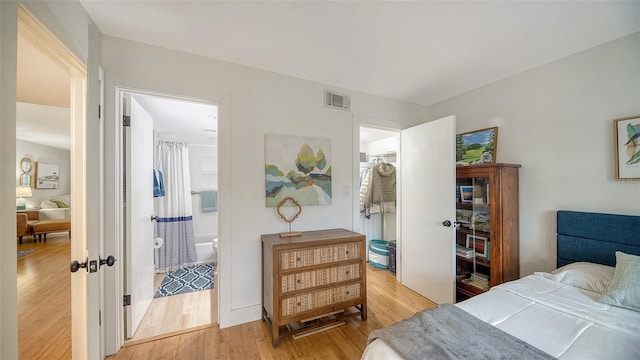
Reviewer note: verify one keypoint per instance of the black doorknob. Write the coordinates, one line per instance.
(75, 265)
(109, 261)
(446, 223)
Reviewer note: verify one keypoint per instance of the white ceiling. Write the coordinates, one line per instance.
(421, 51)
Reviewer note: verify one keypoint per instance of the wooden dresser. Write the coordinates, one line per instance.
(306, 277)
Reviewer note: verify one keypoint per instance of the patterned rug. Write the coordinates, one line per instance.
(192, 278)
(22, 253)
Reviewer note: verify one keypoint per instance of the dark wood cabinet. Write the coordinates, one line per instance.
(487, 234)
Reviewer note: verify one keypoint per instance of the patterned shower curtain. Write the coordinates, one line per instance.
(175, 220)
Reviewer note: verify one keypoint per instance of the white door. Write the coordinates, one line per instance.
(428, 199)
(139, 268)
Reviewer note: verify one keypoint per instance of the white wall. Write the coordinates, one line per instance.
(46, 154)
(557, 122)
(203, 164)
(260, 102)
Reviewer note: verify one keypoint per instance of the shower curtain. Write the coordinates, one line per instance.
(175, 220)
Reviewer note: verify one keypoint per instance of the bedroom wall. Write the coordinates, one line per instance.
(47, 154)
(557, 122)
(259, 102)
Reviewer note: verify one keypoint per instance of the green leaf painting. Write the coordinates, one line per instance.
(633, 143)
(306, 162)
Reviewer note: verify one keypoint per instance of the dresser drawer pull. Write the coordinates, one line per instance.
(298, 281)
(347, 292)
(347, 252)
(298, 304)
(347, 272)
(298, 258)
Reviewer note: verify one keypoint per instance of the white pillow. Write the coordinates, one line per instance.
(584, 275)
(624, 289)
(46, 204)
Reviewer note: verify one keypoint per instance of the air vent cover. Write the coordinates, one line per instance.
(337, 101)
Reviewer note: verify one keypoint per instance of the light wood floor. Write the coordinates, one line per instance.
(388, 302)
(44, 303)
(170, 314)
(44, 296)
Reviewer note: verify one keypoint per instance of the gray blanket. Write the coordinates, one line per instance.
(448, 332)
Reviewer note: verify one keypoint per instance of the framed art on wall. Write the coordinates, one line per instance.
(477, 147)
(626, 136)
(297, 167)
(47, 176)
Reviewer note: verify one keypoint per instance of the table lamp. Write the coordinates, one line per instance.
(21, 193)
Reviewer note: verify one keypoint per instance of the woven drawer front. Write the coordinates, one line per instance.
(315, 278)
(317, 299)
(317, 256)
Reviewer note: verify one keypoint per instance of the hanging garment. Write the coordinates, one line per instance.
(382, 185)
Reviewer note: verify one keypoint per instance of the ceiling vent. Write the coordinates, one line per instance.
(337, 101)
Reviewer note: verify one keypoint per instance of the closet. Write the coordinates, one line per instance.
(378, 153)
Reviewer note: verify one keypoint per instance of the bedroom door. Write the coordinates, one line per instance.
(139, 263)
(428, 191)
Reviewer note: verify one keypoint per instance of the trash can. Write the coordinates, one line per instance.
(379, 254)
(392, 257)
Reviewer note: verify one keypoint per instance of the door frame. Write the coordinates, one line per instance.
(85, 294)
(382, 124)
(116, 334)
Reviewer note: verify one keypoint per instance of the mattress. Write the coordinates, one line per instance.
(561, 320)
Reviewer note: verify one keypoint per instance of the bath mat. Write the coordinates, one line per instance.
(22, 253)
(181, 281)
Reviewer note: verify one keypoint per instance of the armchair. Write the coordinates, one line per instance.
(25, 221)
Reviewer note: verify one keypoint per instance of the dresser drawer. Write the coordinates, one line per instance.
(293, 259)
(313, 300)
(309, 279)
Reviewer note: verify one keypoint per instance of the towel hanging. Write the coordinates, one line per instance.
(158, 184)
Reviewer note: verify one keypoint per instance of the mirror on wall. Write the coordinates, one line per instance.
(25, 165)
(25, 180)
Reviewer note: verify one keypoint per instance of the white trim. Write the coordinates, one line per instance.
(113, 139)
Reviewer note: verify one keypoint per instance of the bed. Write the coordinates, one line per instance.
(586, 309)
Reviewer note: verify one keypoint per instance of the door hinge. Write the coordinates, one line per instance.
(99, 112)
(126, 120)
(126, 301)
(99, 317)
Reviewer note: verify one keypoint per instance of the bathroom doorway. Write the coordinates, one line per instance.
(180, 295)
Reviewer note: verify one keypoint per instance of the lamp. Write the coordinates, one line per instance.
(21, 193)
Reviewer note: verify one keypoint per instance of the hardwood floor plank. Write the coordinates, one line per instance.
(388, 300)
(44, 299)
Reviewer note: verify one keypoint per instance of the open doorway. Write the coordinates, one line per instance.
(181, 233)
(45, 76)
(378, 220)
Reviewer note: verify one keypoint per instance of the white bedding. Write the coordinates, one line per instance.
(561, 320)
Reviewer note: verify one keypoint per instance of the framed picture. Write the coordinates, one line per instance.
(47, 176)
(297, 167)
(626, 134)
(466, 194)
(479, 244)
(477, 147)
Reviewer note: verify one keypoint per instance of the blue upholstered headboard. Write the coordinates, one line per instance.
(595, 237)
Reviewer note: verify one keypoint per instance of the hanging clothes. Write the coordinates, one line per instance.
(382, 185)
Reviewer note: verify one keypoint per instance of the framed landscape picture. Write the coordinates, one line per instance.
(626, 133)
(477, 147)
(47, 176)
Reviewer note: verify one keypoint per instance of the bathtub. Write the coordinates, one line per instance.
(207, 251)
